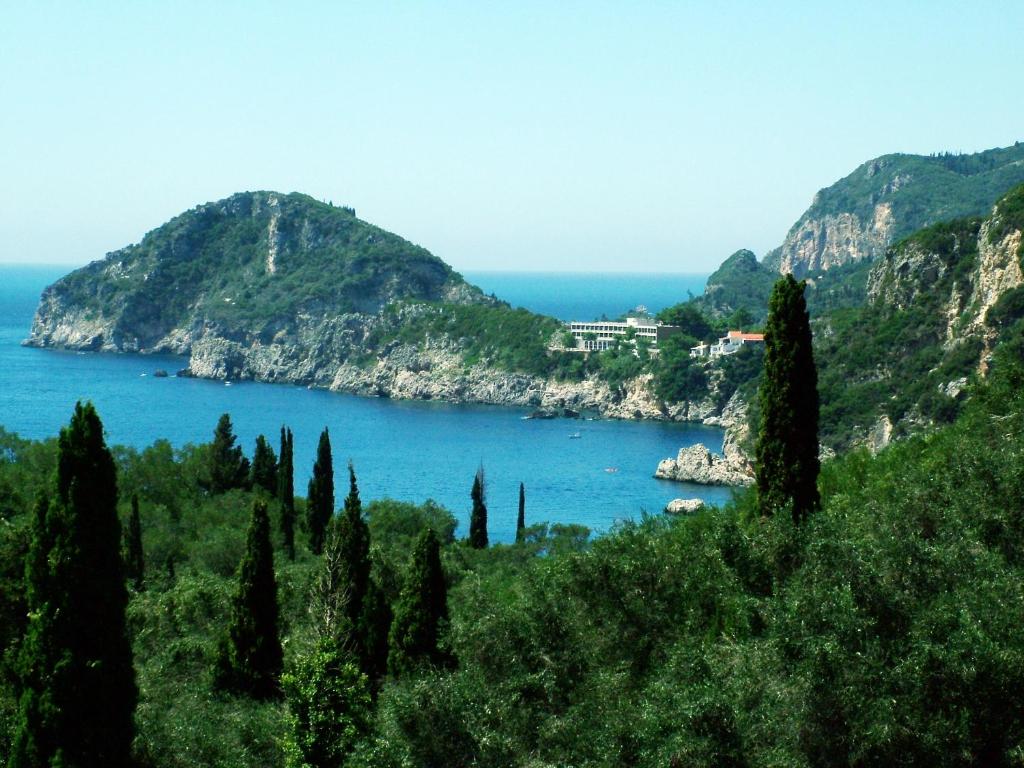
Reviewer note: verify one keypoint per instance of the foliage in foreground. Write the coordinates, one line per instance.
(884, 630)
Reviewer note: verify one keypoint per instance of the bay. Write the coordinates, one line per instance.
(587, 295)
(405, 450)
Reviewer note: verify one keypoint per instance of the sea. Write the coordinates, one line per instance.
(590, 472)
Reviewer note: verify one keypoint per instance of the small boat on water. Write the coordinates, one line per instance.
(611, 469)
(227, 383)
(575, 436)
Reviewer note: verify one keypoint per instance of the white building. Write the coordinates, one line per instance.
(603, 334)
(732, 342)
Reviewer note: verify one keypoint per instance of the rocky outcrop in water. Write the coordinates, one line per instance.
(684, 506)
(697, 464)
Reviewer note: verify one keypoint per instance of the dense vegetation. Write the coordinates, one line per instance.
(883, 630)
(495, 334)
(740, 283)
(212, 263)
(891, 358)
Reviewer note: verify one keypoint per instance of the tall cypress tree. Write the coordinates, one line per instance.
(342, 591)
(320, 495)
(374, 626)
(354, 544)
(521, 520)
(78, 690)
(478, 517)
(286, 492)
(421, 610)
(250, 657)
(228, 466)
(264, 467)
(134, 561)
(787, 462)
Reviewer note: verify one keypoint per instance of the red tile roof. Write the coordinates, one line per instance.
(746, 336)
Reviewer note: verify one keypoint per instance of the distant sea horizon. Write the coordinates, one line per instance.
(580, 295)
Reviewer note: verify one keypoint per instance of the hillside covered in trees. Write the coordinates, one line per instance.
(878, 626)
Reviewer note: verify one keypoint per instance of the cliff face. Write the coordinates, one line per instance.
(890, 197)
(938, 304)
(971, 265)
(821, 243)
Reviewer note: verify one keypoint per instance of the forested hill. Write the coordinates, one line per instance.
(284, 288)
(254, 263)
(888, 198)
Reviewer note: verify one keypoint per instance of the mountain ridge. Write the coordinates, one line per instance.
(889, 197)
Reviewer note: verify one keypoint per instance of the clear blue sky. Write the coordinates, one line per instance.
(548, 135)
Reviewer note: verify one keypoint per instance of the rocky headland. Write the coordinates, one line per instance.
(281, 288)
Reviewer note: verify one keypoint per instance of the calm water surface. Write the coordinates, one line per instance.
(588, 296)
(405, 450)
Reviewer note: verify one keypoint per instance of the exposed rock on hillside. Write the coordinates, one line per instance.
(818, 244)
(938, 303)
(890, 197)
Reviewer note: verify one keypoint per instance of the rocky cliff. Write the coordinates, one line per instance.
(890, 197)
(938, 304)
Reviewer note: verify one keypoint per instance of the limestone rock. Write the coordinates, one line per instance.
(696, 464)
(684, 506)
(820, 243)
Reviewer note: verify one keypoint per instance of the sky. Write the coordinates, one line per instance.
(561, 136)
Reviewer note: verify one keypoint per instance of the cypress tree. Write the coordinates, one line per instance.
(374, 626)
(134, 562)
(345, 581)
(286, 492)
(320, 495)
(250, 657)
(77, 683)
(421, 609)
(521, 520)
(787, 441)
(264, 467)
(228, 466)
(478, 517)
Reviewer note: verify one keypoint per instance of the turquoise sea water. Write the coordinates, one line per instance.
(580, 296)
(406, 450)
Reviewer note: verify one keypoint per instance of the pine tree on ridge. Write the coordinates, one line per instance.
(264, 467)
(421, 611)
(135, 565)
(521, 519)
